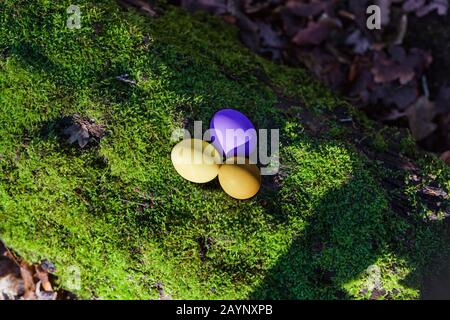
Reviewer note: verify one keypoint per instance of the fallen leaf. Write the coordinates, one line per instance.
(141, 5)
(323, 65)
(385, 8)
(77, 132)
(443, 101)
(401, 96)
(421, 115)
(44, 294)
(358, 41)
(217, 7)
(315, 33)
(400, 65)
(269, 37)
(305, 10)
(387, 70)
(358, 8)
(81, 130)
(413, 5)
(43, 278)
(47, 266)
(248, 33)
(393, 114)
(11, 284)
(441, 6)
(27, 277)
(270, 40)
(422, 8)
(255, 6)
(162, 296)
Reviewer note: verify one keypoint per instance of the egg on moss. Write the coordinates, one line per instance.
(196, 160)
(239, 178)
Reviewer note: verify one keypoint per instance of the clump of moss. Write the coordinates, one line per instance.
(117, 219)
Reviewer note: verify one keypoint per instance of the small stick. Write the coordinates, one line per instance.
(402, 28)
(426, 90)
(138, 203)
(346, 14)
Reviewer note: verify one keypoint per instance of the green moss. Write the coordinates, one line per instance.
(379, 142)
(408, 145)
(120, 215)
(297, 83)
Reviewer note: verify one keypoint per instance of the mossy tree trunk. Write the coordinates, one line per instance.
(351, 214)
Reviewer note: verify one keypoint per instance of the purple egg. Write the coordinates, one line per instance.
(232, 133)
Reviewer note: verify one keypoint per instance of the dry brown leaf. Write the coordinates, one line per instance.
(43, 278)
(316, 32)
(446, 157)
(77, 133)
(27, 277)
(141, 5)
(81, 130)
(388, 70)
(212, 6)
(421, 115)
(358, 41)
(43, 294)
(305, 10)
(11, 285)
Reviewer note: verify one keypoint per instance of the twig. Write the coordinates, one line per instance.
(12, 257)
(124, 78)
(132, 202)
(346, 14)
(402, 28)
(426, 90)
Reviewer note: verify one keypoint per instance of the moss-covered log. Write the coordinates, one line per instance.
(350, 214)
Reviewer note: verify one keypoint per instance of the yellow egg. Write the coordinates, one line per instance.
(239, 178)
(196, 160)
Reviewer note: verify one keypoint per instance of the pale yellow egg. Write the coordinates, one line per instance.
(196, 160)
(239, 178)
